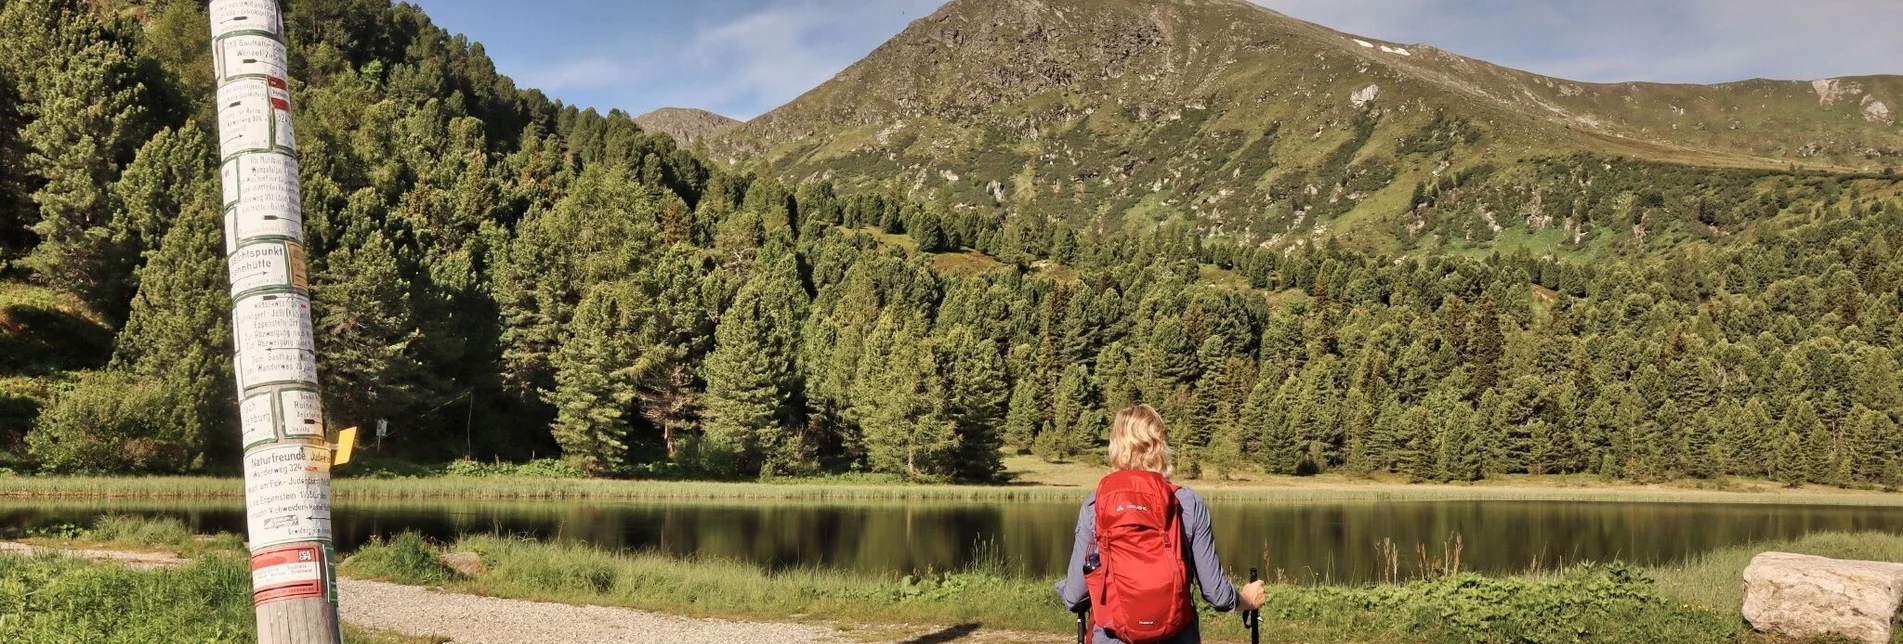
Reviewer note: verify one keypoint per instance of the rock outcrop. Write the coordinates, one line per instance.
(469, 564)
(1806, 596)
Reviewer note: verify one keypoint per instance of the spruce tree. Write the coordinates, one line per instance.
(976, 398)
(361, 310)
(178, 340)
(1265, 413)
(744, 398)
(1022, 420)
(592, 397)
(901, 402)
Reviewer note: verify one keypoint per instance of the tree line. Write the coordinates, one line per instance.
(594, 291)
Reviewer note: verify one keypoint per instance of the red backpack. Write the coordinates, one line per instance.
(1139, 592)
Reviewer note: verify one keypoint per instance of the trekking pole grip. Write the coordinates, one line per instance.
(1252, 617)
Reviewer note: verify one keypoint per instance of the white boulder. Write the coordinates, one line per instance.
(1806, 596)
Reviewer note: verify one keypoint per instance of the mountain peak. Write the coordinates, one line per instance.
(685, 124)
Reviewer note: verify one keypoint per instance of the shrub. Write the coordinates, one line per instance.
(406, 558)
(110, 422)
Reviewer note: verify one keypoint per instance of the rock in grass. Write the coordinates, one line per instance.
(469, 564)
(1806, 596)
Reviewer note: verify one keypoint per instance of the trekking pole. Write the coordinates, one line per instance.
(1253, 618)
(1083, 626)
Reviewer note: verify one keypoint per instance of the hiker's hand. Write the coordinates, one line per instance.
(1252, 597)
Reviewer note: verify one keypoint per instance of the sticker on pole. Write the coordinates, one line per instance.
(287, 573)
(262, 198)
(248, 54)
(287, 494)
(273, 335)
(254, 115)
(265, 265)
(257, 420)
(303, 413)
(230, 16)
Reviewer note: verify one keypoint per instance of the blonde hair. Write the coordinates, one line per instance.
(1138, 441)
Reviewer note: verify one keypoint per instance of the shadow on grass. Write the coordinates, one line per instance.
(36, 341)
(949, 634)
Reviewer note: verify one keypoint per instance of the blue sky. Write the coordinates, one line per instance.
(744, 57)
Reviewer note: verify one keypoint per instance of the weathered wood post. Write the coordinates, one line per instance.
(287, 461)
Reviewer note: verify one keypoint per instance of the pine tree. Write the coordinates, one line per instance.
(1264, 412)
(976, 398)
(592, 398)
(1486, 343)
(1869, 445)
(901, 403)
(744, 398)
(1066, 437)
(1023, 417)
(81, 82)
(178, 338)
(361, 310)
(149, 196)
(1415, 457)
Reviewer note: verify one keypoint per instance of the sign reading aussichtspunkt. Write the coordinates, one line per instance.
(287, 494)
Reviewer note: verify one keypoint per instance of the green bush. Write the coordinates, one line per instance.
(406, 558)
(110, 422)
(546, 468)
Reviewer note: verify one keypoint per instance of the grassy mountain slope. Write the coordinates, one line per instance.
(684, 124)
(1274, 129)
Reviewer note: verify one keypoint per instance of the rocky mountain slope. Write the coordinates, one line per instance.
(684, 124)
(1275, 129)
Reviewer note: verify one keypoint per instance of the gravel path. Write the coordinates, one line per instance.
(471, 619)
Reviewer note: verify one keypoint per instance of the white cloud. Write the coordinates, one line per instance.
(760, 60)
(581, 73)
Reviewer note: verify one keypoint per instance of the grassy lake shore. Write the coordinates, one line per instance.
(1054, 484)
(1696, 602)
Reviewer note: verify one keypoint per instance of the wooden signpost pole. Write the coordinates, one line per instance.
(287, 460)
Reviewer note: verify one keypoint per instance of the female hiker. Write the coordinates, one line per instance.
(1140, 541)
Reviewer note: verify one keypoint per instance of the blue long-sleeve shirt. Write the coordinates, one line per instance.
(1204, 566)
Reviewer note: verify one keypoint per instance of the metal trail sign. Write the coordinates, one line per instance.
(287, 461)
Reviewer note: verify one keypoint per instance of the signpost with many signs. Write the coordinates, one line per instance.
(287, 461)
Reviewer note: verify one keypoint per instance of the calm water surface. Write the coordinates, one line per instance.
(1314, 541)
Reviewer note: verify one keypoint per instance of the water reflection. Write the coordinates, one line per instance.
(1320, 541)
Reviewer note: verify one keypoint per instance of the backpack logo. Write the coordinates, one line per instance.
(1133, 506)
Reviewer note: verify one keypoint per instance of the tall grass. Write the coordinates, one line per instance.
(129, 532)
(56, 600)
(1713, 580)
(1599, 603)
(510, 487)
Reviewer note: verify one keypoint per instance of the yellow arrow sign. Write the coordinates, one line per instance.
(346, 442)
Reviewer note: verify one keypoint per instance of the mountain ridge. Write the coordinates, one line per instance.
(1225, 111)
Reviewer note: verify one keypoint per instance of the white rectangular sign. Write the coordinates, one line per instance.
(273, 335)
(249, 55)
(287, 494)
(303, 413)
(228, 16)
(254, 115)
(261, 193)
(257, 420)
(262, 265)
